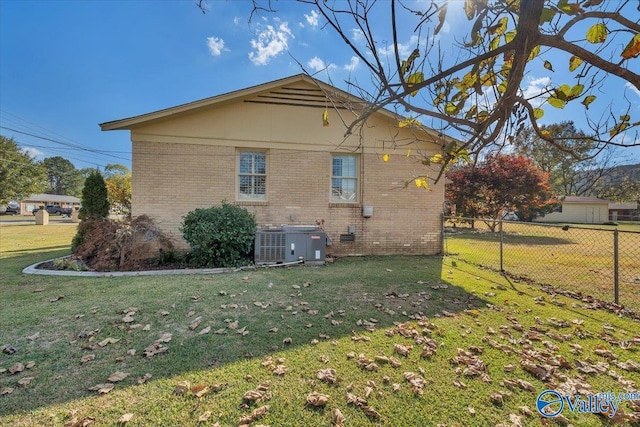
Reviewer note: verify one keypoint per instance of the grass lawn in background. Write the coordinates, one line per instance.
(397, 341)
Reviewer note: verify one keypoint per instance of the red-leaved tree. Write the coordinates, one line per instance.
(500, 183)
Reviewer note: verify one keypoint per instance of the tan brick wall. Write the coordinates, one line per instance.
(171, 179)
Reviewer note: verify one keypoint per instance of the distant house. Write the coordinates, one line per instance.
(268, 149)
(38, 200)
(581, 210)
(629, 211)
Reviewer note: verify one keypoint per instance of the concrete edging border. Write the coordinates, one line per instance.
(33, 270)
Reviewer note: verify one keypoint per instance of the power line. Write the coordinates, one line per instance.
(77, 147)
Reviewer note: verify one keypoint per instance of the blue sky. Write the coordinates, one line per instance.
(66, 66)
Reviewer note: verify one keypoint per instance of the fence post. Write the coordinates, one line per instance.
(501, 242)
(616, 278)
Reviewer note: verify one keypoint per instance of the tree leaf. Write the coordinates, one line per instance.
(556, 102)
(499, 28)
(597, 33)
(441, 18)
(588, 100)
(548, 65)
(538, 113)
(632, 50)
(574, 62)
(409, 121)
(414, 79)
(576, 91)
(470, 9)
(534, 52)
(547, 15)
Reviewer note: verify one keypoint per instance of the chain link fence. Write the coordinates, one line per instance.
(600, 262)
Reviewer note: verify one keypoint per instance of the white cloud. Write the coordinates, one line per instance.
(353, 64)
(404, 50)
(633, 88)
(216, 45)
(271, 42)
(312, 19)
(236, 20)
(535, 87)
(317, 64)
(357, 35)
(32, 152)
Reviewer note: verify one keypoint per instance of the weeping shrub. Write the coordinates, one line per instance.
(220, 236)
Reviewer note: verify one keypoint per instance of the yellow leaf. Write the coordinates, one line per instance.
(499, 28)
(385, 158)
(409, 152)
(545, 133)
(422, 183)
(563, 91)
(574, 62)
(509, 36)
(597, 33)
(588, 100)
(633, 48)
(538, 113)
(437, 158)
(548, 65)
(409, 121)
(556, 102)
(325, 118)
(414, 79)
(408, 64)
(534, 52)
(576, 91)
(618, 128)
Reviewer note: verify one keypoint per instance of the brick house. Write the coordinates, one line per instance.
(268, 149)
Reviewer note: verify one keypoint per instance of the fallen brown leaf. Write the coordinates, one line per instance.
(16, 368)
(337, 418)
(107, 341)
(204, 417)
(200, 390)
(25, 381)
(125, 418)
(103, 388)
(117, 376)
(317, 399)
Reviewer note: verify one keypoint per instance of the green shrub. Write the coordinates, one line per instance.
(94, 198)
(220, 236)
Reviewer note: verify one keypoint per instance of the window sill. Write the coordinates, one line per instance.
(344, 204)
(251, 203)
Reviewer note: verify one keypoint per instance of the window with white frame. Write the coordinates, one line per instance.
(252, 175)
(344, 178)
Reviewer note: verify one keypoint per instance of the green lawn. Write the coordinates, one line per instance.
(579, 258)
(479, 348)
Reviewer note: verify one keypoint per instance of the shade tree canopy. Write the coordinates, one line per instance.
(467, 79)
(497, 185)
(20, 174)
